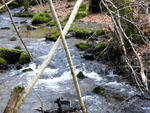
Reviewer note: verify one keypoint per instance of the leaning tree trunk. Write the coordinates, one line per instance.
(94, 6)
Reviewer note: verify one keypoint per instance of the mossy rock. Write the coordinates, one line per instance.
(10, 55)
(13, 39)
(3, 64)
(51, 23)
(83, 46)
(101, 46)
(27, 70)
(79, 33)
(80, 75)
(40, 18)
(24, 58)
(24, 14)
(82, 7)
(101, 32)
(53, 37)
(99, 90)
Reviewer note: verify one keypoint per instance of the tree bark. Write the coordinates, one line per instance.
(15, 94)
(94, 6)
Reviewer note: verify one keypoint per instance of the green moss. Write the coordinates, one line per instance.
(10, 55)
(99, 90)
(79, 33)
(82, 7)
(100, 32)
(40, 18)
(80, 15)
(24, 58)
(53, 36)
(18, 87)
(51, 23)
(80, 75)
(26, 70)
(101, 46)
(3, 64)
(83, 46)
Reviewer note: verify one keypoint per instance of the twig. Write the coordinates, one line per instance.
(41, 69)
(41, 102)
(17, 30)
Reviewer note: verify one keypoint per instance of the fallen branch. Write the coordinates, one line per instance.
(41, 69)
(17, 31)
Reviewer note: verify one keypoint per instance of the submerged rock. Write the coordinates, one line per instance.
(5, 28)
(17, 47)
(99, 90)
(13, 39)
(80, 75)
(26, 70)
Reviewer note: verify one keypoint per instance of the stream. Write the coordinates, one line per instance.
(57, 79)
